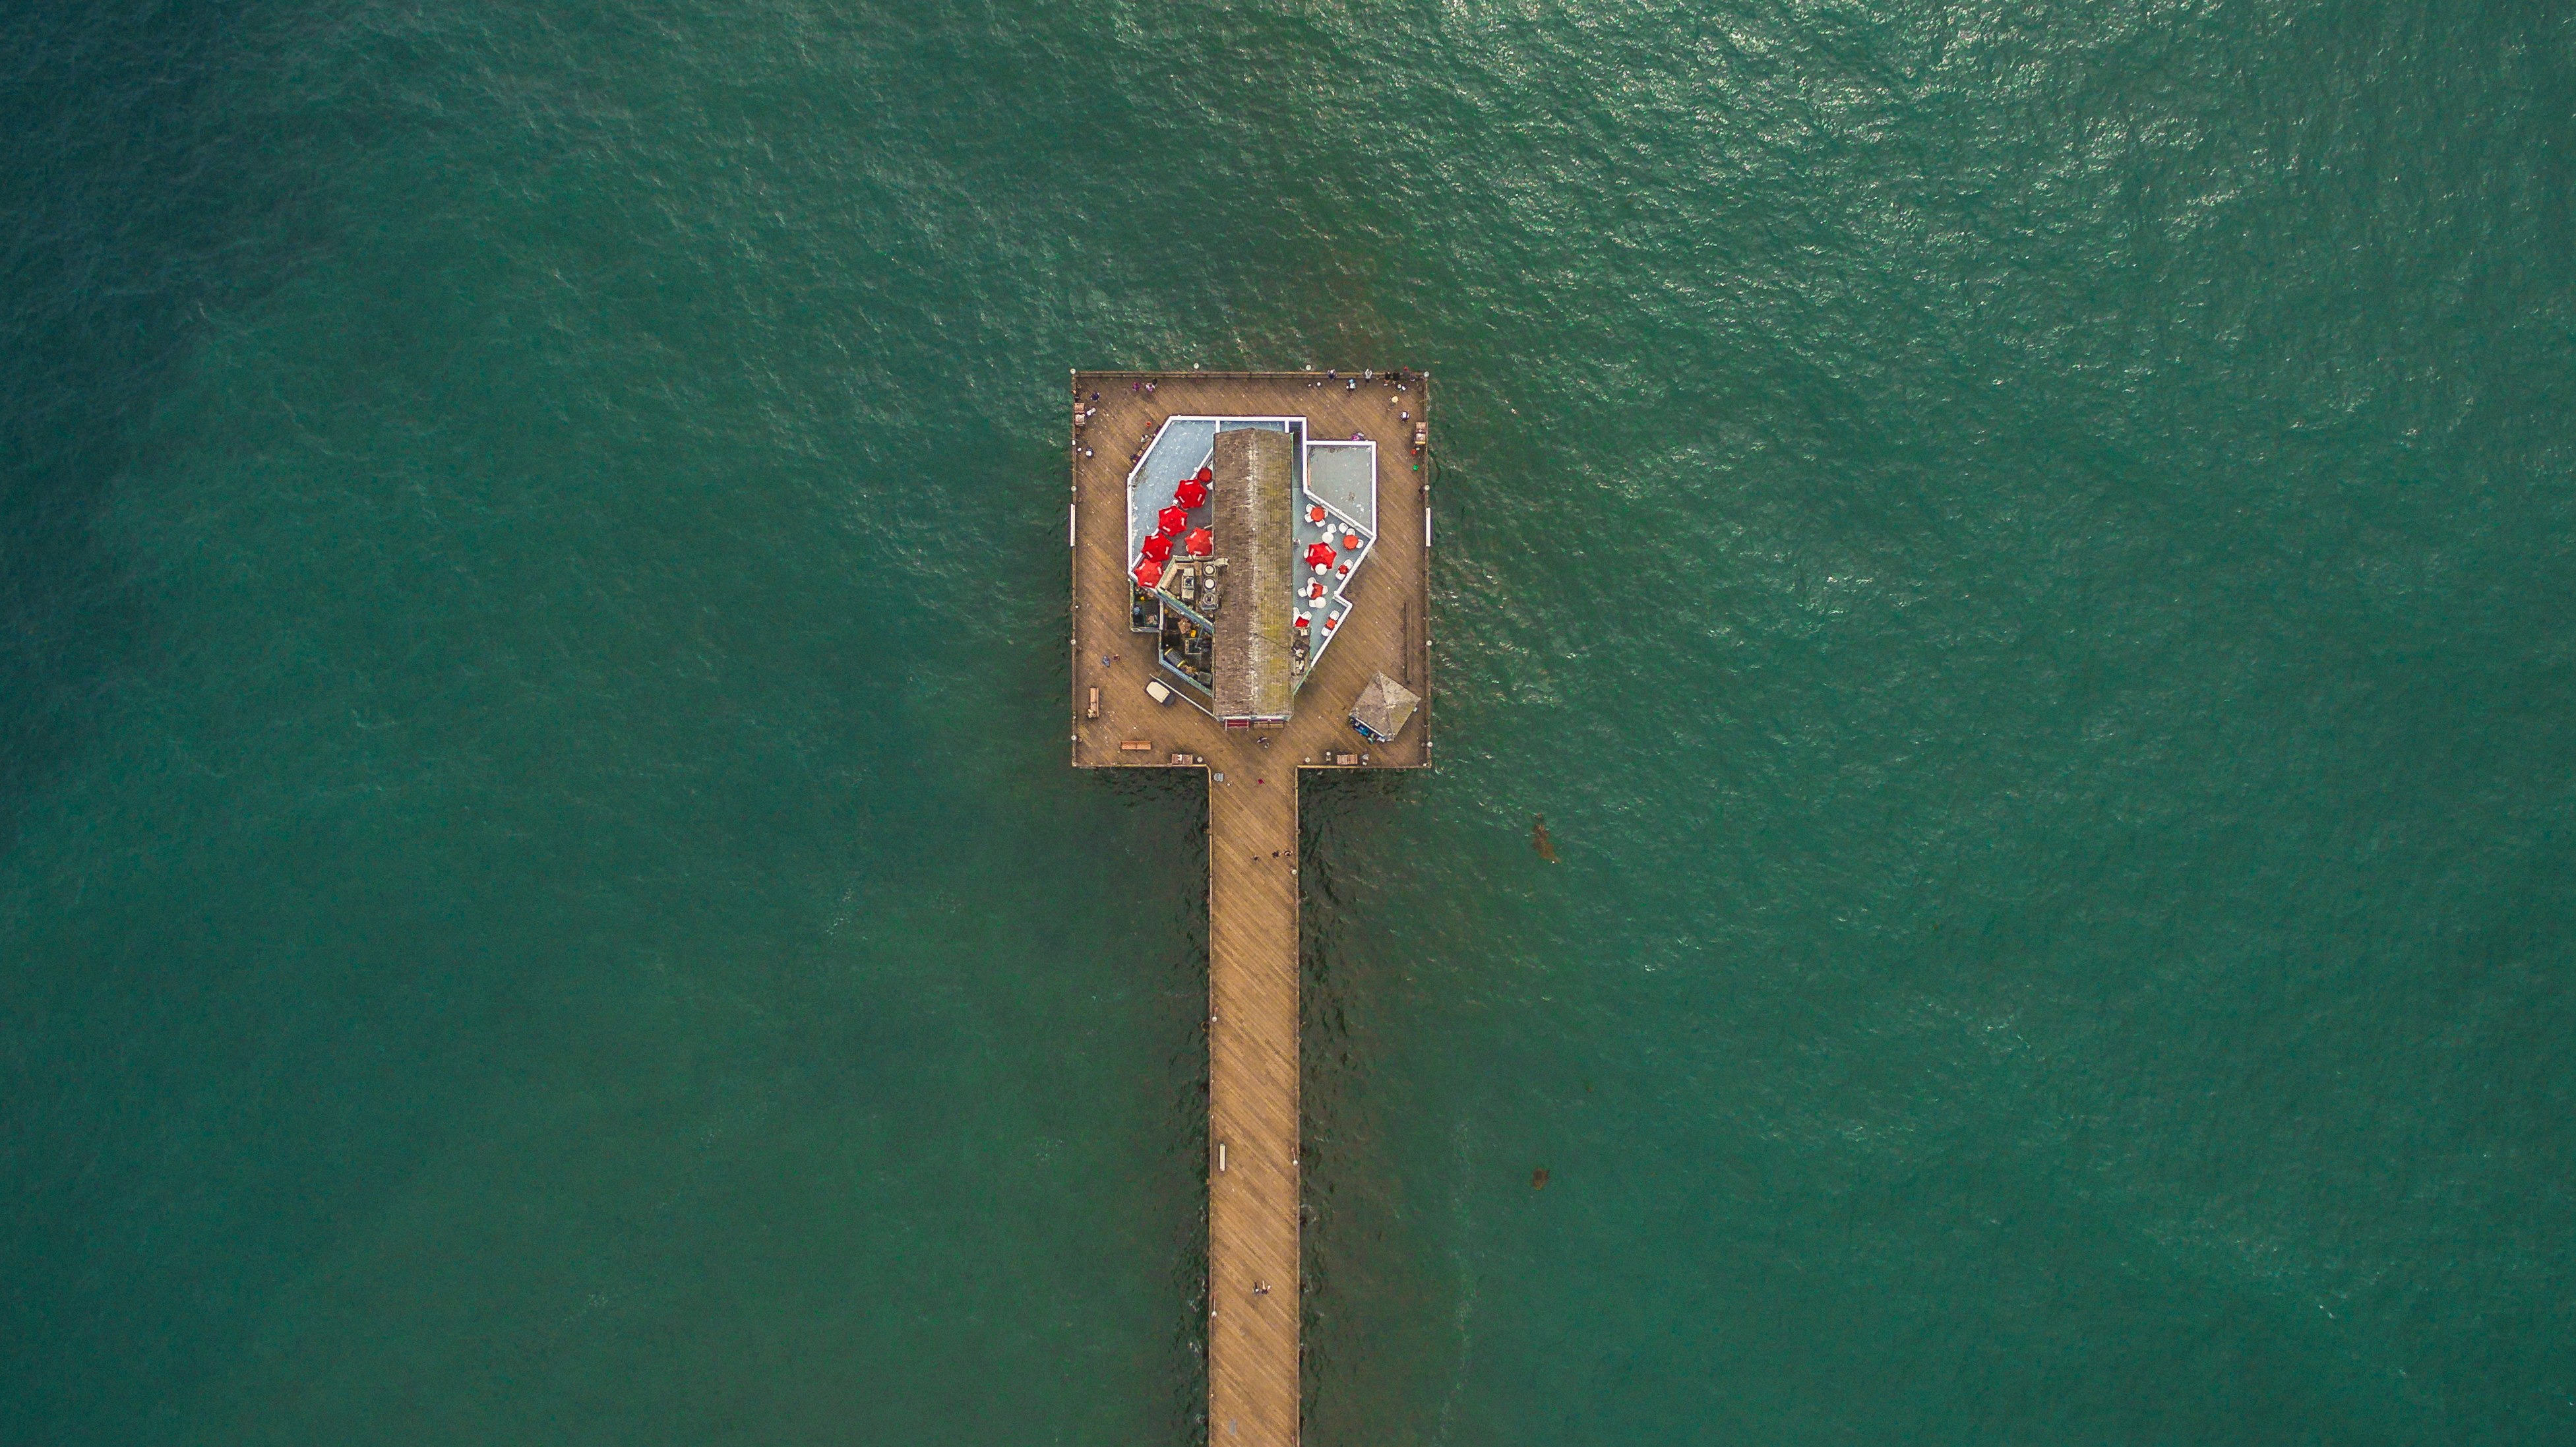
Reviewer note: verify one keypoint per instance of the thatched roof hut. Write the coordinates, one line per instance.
(1383, 708)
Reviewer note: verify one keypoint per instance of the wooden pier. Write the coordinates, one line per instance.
(1255, 1297)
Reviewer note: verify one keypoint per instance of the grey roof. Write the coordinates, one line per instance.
(1343, 477)
(1384, 707)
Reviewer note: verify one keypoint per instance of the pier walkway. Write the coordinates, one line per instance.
(1253, 1307)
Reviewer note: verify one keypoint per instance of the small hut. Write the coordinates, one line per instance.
(1383, 708)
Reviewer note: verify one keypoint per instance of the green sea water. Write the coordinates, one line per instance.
(2025, 552)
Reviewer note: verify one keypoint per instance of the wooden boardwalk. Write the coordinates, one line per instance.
(1255, 1296)
(1253, 1264)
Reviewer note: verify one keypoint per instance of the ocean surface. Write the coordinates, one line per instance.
(2026, 554)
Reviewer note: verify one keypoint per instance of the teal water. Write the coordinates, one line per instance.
(2024, 552)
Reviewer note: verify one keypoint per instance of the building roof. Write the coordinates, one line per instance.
(1252, 505)
(1384, 707)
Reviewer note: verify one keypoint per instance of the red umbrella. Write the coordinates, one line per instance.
(1191, 492)
(1157, 547)
(1171, 520)
(1148, 573)
(1319, 555)
(1200, 542)
(1315, 515)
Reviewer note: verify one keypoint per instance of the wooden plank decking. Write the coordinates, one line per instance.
(1253, 1362)
(1255, 1380)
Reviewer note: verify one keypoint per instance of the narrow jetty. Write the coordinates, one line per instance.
(1253, 1237)
(1252, 608)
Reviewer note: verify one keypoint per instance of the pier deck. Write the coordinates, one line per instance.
(1254, 1388)
(1387, 628)
(1255, 1380)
